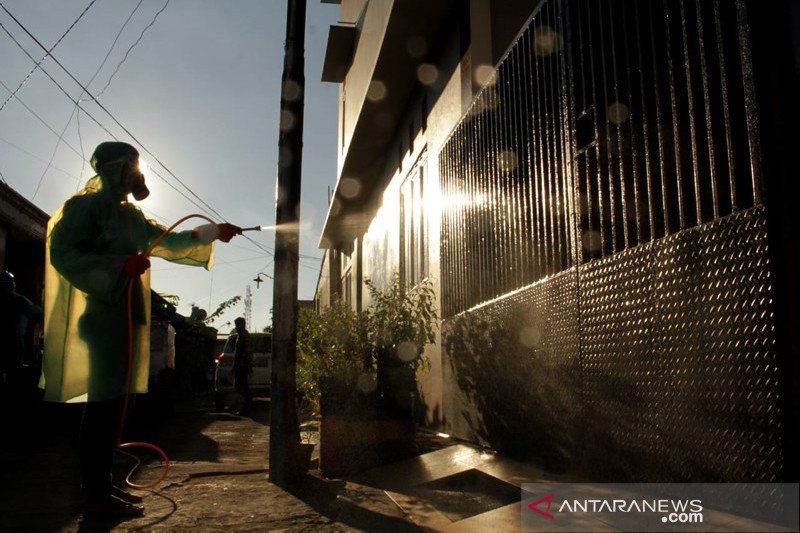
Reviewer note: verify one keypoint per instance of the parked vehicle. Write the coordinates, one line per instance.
(261, 350)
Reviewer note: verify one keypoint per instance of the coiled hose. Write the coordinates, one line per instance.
(122, 446)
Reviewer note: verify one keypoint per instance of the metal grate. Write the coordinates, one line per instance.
(663, 120)
(609, 124)
(505, 178)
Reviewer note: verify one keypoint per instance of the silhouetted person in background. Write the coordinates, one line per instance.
(243, 366)
(95, 245)
(16, 313)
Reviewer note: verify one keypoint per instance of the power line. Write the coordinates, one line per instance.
(102, 107)
(80, 143)
(47, 54)
(113, 44)
(77, 109)
(31, 111)
(95, 121)
(215, 264)
(117, 122)
(96, 72)
(52, 156)
(34, 156)
(131, 47)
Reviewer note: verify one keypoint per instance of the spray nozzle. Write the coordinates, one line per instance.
(209, 232)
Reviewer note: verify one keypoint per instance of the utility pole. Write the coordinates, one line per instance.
(248, 307)
(284, 441)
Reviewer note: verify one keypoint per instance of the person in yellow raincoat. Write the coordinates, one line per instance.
(94, 247)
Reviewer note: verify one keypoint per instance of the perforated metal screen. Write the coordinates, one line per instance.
(605, 276)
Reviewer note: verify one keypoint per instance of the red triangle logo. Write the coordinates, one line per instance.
(549, 500)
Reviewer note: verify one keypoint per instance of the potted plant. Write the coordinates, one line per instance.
(359, 369)
(401, 323)
(336, 374)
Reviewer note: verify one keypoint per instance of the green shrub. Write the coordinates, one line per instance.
(348, 358)
(334, 356)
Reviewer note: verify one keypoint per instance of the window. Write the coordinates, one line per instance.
(347, 274)
(414, 229)
(348, 288)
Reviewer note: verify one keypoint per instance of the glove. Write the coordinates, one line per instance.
(228, 231)
(136, 265)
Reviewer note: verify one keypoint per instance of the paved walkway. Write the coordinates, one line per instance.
(219, 482)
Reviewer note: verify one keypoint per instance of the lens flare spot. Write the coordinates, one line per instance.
(407, 351)
(291, 91)
(618, 113)
(349, 188)
(377, 91)
(530, 336)
(427, 74)
(507, 161)
(416, 46)
(288, 121)
(591, 241)
(546, 41)
(366, 383)
(485, 75)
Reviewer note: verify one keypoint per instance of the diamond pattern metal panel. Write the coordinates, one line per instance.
(515, 363)
(668, 373)
(680, 379)
(620, 363)
(719, 385)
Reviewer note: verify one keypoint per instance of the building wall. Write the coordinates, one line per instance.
(597, 234)
(371, 20)
(322, 294)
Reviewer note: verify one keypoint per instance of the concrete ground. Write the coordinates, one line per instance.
(219, 481)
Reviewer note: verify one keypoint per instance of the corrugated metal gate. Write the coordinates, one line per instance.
(605, 280)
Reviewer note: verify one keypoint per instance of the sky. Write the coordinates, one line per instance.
(201, 92)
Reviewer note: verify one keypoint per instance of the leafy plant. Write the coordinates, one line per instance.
(402, 322)
(221, 308)
(334, 355)
(345, 356)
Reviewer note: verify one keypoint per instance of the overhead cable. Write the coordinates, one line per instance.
(102, 107)
(32, 112)
(76, 109)
(207, 211)
(131, 47)
(47, 54)
(34, 156)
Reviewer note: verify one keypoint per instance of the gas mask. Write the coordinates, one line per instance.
(134, 176)
(138, 187)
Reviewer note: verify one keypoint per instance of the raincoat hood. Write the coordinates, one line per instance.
(108, 161)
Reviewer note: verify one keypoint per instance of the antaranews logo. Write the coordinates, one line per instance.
(659, 507)
(671, 511)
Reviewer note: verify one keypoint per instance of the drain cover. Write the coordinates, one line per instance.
(467, 494)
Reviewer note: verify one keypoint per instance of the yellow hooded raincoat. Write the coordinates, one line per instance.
(89, 238)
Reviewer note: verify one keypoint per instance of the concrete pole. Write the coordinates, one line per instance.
(284, 439)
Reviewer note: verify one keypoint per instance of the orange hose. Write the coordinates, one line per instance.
(122, 445)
